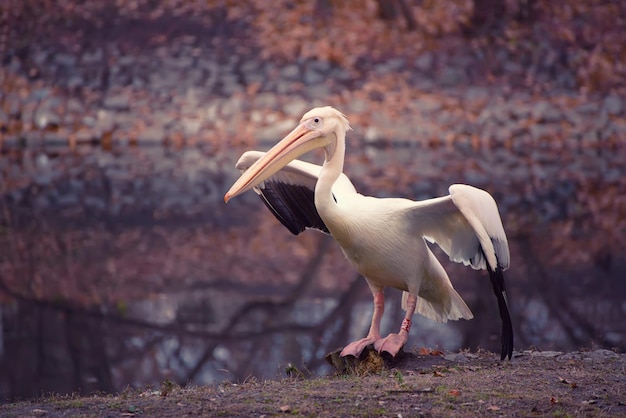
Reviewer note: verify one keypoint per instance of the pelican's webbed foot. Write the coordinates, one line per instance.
(356, 348)
(392, 343)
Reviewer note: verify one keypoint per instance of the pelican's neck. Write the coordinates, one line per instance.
(331, 170)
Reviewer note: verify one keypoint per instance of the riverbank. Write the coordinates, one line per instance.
(455, 384)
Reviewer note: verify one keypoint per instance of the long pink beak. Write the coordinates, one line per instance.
(296, 143)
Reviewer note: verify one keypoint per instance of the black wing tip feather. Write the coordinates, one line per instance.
(497, 281)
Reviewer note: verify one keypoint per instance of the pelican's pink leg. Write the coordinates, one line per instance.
(394, 342)
(355, 348)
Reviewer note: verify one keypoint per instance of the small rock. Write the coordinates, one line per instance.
(319, 66)
(53, 138)
(230, 84)
(546, 354)
(546, 112)
(13, 104)
(296, 107)
(290, 71)
(538, 132)
(275, 130)
(424, 62)
(232, 106)
(265, 100)
(65, 60)
(179, 63)
(603, 354)
(92, 57)
(574, 118)
(427, 105)
(44, 118)
(372, 134)
(312, 77)
(75, 81)
(152, 135)
(126, 60)
(283, 87)
(103, 122)
(476, 94)
(521, 111)
(456, 357)
(488, 114)
(42, 93)
(451, 76)
(340, 74)
(119, 102)
(390, 66)
(250, 66)
(4, 118)
(575, 355)
(40, 57)
(191, 126)
(512, 67)
(357, 105)
(319, 91)
(588, 108)
(602, 119)
(613, 104)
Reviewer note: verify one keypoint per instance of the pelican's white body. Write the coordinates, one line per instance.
(385, 238)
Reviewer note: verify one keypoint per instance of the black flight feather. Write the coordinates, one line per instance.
(497, 282)
(292, 205)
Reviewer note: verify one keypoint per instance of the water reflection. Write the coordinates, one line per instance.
(124, 267)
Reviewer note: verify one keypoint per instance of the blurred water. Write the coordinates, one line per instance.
(125, 267)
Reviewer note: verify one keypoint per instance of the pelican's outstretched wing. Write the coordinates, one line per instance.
(467, 226)
(290, 193)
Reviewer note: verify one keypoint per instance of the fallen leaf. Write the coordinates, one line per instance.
(425, 351)
(553, 400)
(454, 392)
(285, 408)
(493, 408)
(437, 374)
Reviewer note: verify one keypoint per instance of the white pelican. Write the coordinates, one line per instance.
(385, 239)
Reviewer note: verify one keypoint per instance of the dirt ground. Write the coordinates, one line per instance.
(421, 383)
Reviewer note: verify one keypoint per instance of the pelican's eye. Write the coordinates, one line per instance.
(315, 123)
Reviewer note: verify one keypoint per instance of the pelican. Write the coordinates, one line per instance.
(384, 239)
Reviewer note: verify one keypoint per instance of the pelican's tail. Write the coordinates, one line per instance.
(453, 308)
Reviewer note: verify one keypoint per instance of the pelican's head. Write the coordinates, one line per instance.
(327, 120)
(321, 127)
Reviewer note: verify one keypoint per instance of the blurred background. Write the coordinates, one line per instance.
(121, 121)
